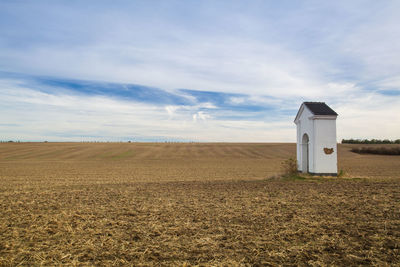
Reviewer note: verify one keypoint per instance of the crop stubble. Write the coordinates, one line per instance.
(193, 204)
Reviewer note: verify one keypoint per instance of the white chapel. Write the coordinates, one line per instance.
(316, 139)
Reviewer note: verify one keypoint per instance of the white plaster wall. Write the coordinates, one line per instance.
(305, 125)
(298, 150)
(325, 137)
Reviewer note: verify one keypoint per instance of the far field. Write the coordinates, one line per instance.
(192, 204)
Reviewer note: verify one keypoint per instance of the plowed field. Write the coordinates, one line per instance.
(192, 204)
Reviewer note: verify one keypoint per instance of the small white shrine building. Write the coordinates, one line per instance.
(316, 139)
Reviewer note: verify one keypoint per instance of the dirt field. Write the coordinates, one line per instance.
(192, 204)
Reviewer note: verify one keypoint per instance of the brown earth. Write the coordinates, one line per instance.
(192, 204)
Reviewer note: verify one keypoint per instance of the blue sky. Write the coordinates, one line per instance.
(234, 71)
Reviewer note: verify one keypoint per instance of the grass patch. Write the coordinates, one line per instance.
(294, 177)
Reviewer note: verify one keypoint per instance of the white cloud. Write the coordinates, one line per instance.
(390, 83)
(201, 115)
(369, 116)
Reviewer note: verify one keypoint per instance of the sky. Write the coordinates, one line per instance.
(196, 71)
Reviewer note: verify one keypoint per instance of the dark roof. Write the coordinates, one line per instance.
(320, 108)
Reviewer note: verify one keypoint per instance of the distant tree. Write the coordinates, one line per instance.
(377, 150)
(372, 141)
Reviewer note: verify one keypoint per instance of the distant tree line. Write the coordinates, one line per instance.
(370, 141)
(377, 150)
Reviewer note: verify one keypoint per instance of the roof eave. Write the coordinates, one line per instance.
(296, 119)
(323, 117)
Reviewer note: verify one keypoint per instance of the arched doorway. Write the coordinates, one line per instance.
(305, 153)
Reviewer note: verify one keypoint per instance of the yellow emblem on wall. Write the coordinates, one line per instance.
(328, 151)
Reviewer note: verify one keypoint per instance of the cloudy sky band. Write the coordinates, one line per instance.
(196, 70)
